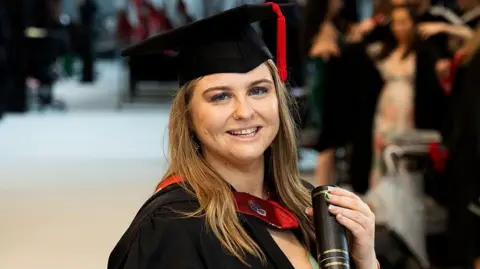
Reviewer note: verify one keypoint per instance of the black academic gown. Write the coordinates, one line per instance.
(351, 92)
(158, 238)
(462, 138)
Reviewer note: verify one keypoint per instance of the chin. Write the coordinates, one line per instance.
(246, 155)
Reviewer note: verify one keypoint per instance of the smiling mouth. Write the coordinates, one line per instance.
(249, 132)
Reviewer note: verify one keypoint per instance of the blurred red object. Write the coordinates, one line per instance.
(379, 18)
(447, 80)
(439, 155)
(139, 20)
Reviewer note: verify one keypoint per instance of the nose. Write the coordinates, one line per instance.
(243, 110)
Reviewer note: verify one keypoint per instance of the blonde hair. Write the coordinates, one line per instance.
(215, 197)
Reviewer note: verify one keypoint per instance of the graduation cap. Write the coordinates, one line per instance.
(223, 43)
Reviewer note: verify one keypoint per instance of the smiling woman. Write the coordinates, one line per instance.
(232, 197)
(235, 116)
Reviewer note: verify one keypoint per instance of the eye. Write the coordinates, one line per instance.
(220, 97)
(258, 91)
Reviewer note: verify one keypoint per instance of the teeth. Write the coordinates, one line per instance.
(246, 132)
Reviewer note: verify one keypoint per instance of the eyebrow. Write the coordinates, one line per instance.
(254, 83)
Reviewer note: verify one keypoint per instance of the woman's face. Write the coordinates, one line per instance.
(236, 116)
(402, 24)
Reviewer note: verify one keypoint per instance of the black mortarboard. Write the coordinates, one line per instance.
(224, 43)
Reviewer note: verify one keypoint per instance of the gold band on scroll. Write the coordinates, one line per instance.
(319, 193)
(336, 263)
(331, 251)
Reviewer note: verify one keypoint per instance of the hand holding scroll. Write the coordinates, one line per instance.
(356, 216)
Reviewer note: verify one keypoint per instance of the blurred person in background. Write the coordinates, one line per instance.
(320, 42)
(411, 97)
(88, 11)
(345, 79)
(349, 119)
(462, 139)
(46, 39)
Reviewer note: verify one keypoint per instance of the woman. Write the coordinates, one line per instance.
(400, 107)
(232, 161)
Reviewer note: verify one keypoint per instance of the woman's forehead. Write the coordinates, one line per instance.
(262, 72)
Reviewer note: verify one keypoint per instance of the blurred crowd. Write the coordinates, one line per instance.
(387, 94)
(392, 98)
(35, 35)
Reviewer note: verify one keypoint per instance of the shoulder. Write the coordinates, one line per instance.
(159, 229)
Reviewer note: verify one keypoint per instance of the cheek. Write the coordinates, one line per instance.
(207, 121)
(270, 111)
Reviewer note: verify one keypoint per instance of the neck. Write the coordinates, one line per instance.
(248, 178)
(403, 43)
(402, 46)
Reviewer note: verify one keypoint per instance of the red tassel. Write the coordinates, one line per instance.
(281, 42)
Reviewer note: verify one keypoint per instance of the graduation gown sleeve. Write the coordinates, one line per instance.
(158, 237)
(162, 243)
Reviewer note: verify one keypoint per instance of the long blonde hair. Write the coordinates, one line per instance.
(215, 197)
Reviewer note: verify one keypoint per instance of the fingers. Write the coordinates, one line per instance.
(356, 229)
(365, 222)
(340, 191)
(309, 211)
(343, 198)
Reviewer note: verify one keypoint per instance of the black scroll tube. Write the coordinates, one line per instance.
(331, 236)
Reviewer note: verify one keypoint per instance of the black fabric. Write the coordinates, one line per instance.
(438, 43)
(462, 138)
(160, 238)
(85, 45)
(5, 39)
(16, 95)
(223, 43)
